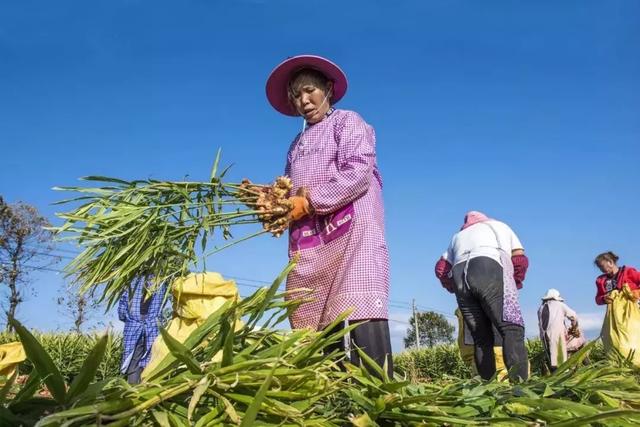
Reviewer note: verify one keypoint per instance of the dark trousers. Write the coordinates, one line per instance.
(134, 370)
(373, 338)
(480, 298)
(547, 352)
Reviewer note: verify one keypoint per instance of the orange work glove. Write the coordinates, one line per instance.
(300, 208)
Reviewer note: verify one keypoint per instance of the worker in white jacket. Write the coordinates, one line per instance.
(552, 317)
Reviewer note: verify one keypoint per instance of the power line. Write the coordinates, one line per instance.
(240, 282)
(33, 267)
(265, 282)
(399, 321)
(62, 250)
(52, 255)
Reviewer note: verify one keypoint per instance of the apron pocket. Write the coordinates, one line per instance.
(336, 224)
(304, 235)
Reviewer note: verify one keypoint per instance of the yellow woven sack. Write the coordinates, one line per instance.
(11, 354)
(195, 297)
(621, 325)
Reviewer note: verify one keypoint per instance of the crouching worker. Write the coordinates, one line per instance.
(141, 314)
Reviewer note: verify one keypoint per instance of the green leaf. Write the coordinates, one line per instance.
(227, 348)
(8, 419)
(42, 362)
(214, 169)
(161, 418)
(363, 421)
(575, 359)
(372, 364)
(273, 289)
(28, 389)
(7, 386)
(253, 409)
(618, 414)
(228, 406)
(181, 352)
(88, 370)
(105, 179)
(198, 392)
(224, 171)
(208, 418)
(192, 340)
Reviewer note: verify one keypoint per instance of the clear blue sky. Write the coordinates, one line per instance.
(528, 111)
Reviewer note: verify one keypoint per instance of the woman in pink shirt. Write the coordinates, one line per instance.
(338, 232)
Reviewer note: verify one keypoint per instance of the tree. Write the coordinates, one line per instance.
(25, 246)
(433, 329)
(79, 307)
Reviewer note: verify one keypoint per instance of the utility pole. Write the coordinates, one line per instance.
(415, 323)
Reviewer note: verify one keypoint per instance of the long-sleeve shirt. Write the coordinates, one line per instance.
(342, 250)
(552, 315)
(140, 319)
(606, 284)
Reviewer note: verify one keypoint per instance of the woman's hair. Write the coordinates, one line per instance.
(308, 76)
(606, 256)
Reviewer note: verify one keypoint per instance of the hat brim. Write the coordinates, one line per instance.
(278, 81)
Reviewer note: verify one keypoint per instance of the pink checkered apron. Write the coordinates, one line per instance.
(342, 251)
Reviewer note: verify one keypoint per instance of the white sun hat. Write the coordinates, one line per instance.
(552, 294)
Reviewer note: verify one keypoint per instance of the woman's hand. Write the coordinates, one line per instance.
(300, 208)
(608, 299)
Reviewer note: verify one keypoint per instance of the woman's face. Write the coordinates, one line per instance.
(608, 267)
(311, 102)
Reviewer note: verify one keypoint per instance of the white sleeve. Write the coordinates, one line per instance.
(513, 239)
(449, 255)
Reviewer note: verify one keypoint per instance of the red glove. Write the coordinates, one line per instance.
(520, 266)
(442, 273)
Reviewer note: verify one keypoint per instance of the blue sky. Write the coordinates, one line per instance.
(528, 111)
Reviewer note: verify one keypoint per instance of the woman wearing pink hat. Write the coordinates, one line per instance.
(484, 266)
(337, 231)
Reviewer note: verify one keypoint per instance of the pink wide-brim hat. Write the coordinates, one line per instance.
(278, 81)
